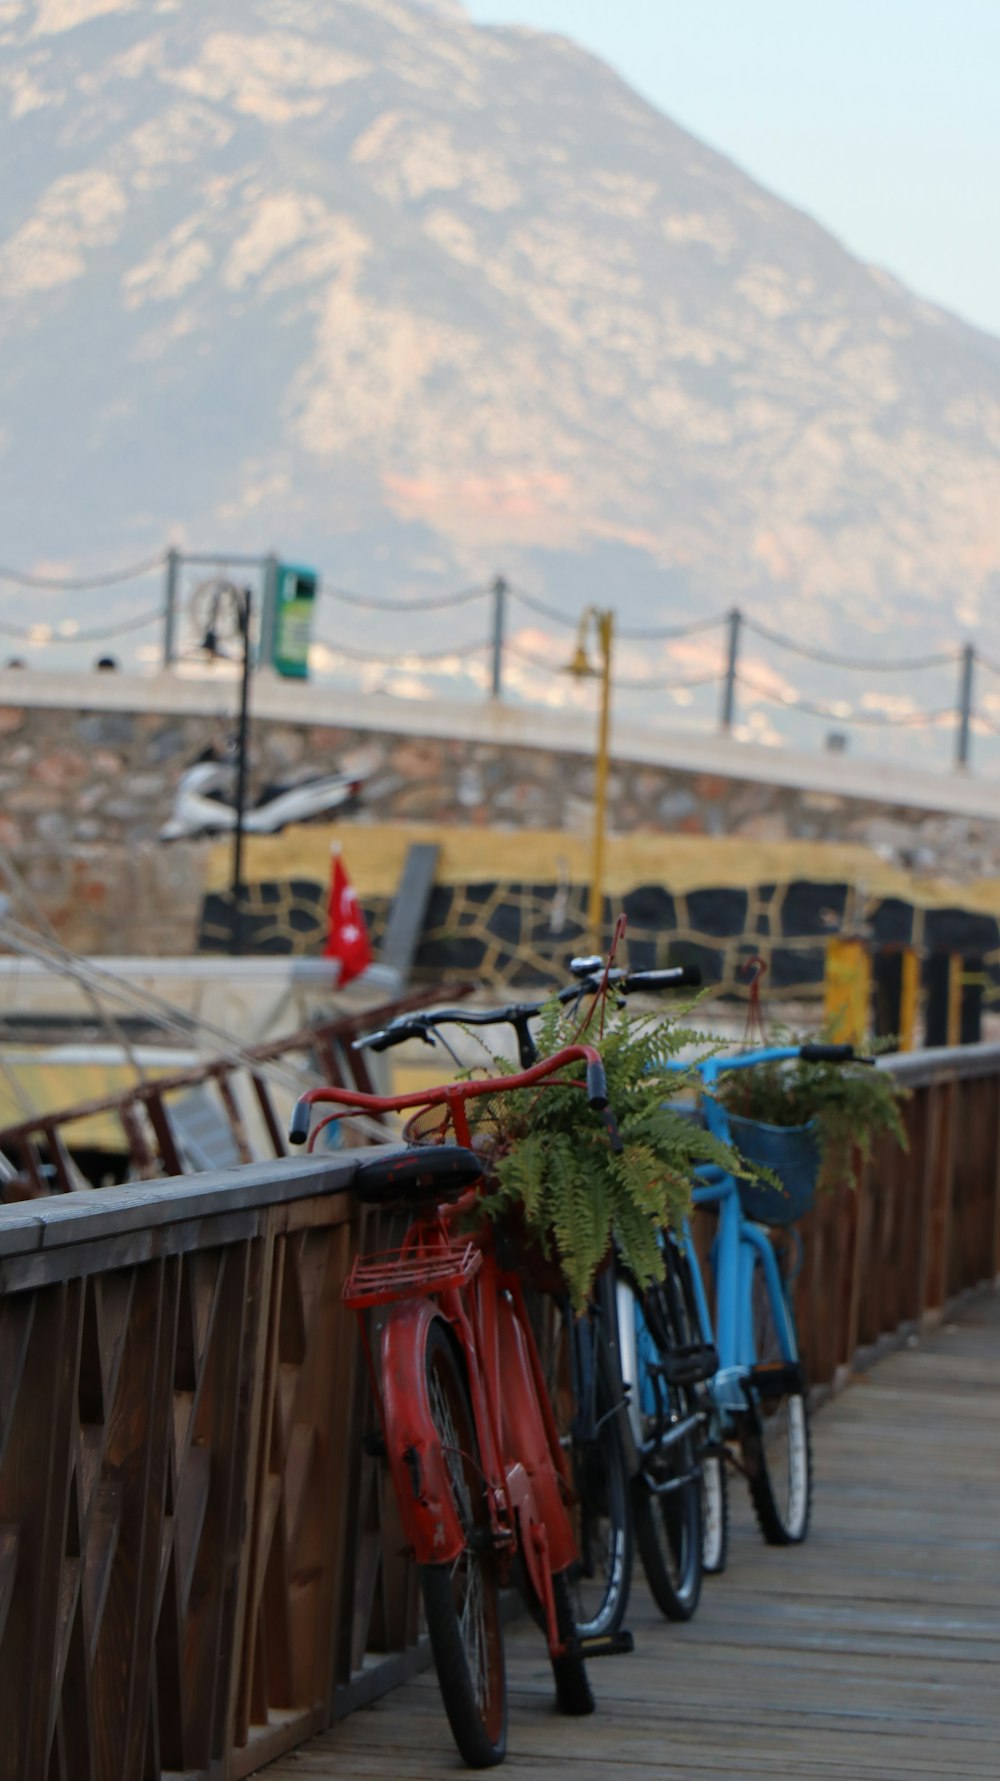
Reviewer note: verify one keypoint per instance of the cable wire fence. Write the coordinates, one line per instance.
(520, 648)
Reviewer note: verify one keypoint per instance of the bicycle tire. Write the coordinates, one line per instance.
(574, 1697)
(714, 1515)
(599, 1583)
(667, 1493)
(462, 1599)
(776, 1447)
(714, 1477)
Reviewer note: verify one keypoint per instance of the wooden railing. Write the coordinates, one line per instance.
(920, 1227)
(200, 1566)
(241, 1088)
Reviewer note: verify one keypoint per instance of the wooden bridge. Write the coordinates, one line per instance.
(201, 1570)
(872, 1651)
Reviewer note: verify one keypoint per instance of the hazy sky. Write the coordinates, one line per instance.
(881, 118)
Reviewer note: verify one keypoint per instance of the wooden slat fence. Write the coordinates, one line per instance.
(200, 1566)
(920, 1226)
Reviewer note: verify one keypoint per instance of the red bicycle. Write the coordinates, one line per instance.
(468, 1429)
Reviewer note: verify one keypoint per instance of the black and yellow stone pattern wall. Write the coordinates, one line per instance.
(85, 793)
(509, 908)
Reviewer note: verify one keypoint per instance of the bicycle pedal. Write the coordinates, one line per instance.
(373, 1443)
(777, 1379)
(691, 1365)
(605, 1644)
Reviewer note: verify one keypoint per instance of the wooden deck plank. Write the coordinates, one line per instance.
(870, 1654)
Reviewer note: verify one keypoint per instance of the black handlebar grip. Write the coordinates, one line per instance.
(826, 1054)
(597, 1086)
(671, 977)
(394, 1035)
(298, 1125)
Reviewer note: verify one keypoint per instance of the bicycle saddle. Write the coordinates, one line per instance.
(425, 1171)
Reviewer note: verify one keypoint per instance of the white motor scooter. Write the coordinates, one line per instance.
(205, 801)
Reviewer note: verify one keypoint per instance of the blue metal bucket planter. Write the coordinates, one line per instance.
(792, 1153)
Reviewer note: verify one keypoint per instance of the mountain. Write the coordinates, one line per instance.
(417, 300)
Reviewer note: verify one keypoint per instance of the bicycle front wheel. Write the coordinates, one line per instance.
(667, 1494)
(598, 1584)
(714, 1516)
(714, 1478)
(462, 1599)
(776, 1447)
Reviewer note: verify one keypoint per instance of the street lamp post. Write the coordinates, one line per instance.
(241, 604)
(604, 628)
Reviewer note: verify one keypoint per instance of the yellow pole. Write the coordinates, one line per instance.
(605, 634)
(847, 991)
(909, 999)
(955, 982)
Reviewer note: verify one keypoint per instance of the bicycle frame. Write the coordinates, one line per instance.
(519, 1443)
(739, 1243)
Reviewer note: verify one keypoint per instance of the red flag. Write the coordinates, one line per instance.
(347, 936)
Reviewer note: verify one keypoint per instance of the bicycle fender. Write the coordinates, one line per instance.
(413, 1446)
(532, 1477)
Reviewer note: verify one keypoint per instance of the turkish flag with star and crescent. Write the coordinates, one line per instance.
(347, 935)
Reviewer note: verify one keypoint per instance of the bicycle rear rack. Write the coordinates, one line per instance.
(394, 1274)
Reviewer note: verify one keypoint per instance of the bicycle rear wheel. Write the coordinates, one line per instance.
(667, 1494)
(776, 1446)
(461, 1599)
(714, 1515)
(598, 1584)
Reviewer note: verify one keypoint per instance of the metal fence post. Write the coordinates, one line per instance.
(499, 615)
(729, 685)
(170, 607)
(965, 704)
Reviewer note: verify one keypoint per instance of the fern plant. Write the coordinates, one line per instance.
(558, 1172)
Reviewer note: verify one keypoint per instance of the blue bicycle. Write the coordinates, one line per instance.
(755, 1396)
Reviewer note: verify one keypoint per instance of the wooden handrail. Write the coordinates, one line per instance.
(143, 1113)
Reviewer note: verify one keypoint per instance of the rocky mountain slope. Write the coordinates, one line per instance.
(417, 300)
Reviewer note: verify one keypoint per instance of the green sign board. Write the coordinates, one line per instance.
(294, 601)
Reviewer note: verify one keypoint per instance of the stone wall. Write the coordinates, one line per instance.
(84, 794)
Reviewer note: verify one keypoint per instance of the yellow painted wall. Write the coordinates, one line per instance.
(374, 854)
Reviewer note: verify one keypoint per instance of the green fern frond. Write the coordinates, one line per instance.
(572, 1189)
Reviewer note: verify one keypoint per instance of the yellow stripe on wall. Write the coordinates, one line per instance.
(375, 853)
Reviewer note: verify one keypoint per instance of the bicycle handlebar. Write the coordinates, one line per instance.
(597, 1085)
(518, 1014)
(815, 1053)
(298, 1125)
(415, 1026)
(351, 1099)
(672, 977)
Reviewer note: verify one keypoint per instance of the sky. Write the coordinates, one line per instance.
(880, 118)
